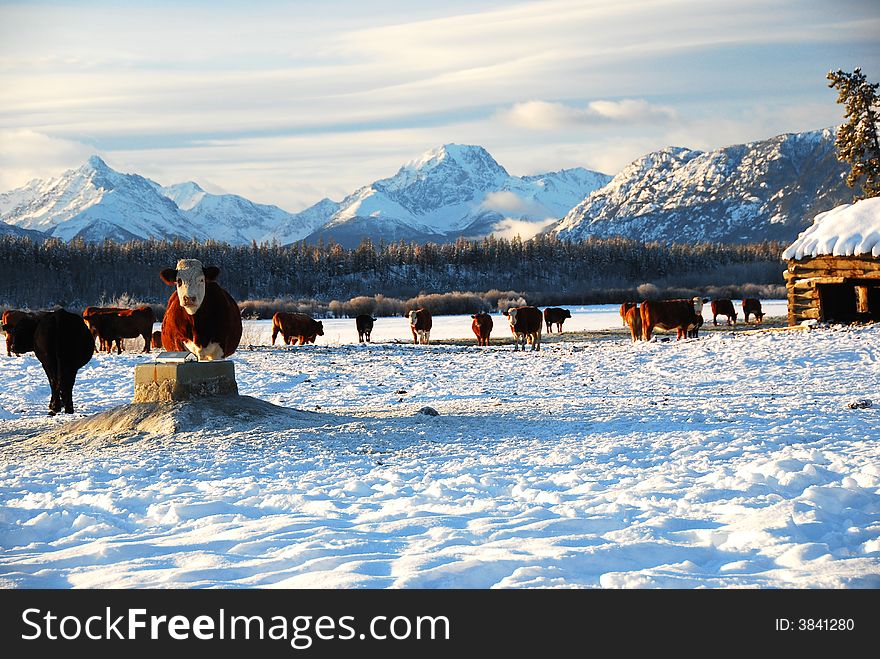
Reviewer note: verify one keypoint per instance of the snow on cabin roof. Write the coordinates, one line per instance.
(848, 230)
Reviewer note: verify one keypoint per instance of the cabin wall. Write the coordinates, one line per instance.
(830, 277)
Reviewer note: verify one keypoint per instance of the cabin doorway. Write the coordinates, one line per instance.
(856, 301)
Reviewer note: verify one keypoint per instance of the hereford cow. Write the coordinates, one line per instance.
(62, 343)
(634, 321)
(156, 340)
(752, 306)
(698, 304)
(295, 327)
(680, 315)
(200, 317)
(557, 316)
(723, 308)
(113, 326)
(364, 324)
(11, 318)
(624, 308)
(482, 326)
(420, 323)
(526, 324)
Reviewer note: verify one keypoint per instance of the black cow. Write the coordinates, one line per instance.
(63, 344)
(364, 324)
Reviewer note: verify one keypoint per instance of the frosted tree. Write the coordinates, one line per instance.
(857, 142)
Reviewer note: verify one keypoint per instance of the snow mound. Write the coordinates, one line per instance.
(848, 230)
(137, 421)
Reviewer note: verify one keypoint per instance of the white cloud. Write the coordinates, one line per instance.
(27, 154)
(510, 227)
(510, 202)
(543, 115)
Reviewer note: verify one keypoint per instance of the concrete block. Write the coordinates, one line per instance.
(157, 382)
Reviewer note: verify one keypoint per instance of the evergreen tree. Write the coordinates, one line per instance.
(857, 142)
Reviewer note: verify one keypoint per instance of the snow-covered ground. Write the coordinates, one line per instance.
(732, 460)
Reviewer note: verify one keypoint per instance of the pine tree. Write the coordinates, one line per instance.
(857, 142)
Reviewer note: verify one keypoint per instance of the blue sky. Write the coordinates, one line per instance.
(287, 103)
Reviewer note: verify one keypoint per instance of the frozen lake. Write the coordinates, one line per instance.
(338, 331)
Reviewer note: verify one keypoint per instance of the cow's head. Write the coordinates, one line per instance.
(413, 316)
(190, 278)
(511, 316)
(320, 326)
(22, 334)
(698, 305)
(566, 314)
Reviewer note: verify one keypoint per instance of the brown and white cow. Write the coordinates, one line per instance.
(200, 317)
(364, 323)
(526, 324)
(555, 316)
(723, 307)
(420, 323)
(113, 326)
(482, 326)
(680, 315)
(634, 321)
(752, 306)
(624, 308)
(296, 327)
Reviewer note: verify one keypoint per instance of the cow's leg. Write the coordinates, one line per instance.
(67, 377)
(147, 338)
(119, 346)
(51, 374)
(274, 333)
(367, 337)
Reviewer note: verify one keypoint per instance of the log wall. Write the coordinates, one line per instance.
(804, 277)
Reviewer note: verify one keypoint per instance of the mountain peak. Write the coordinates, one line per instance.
(95, 162)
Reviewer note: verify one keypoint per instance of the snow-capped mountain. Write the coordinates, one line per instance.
(95, 202)
(234, 219)
(451, 191)
(765, 190)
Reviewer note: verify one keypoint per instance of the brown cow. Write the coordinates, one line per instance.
(634, 321)
(11, 318)
(482, 326)
(103, 346)
(557, 316)
(364, 324)
(420, 323)
(526, 324)
(156, 340)
(113, 326)
(752, 306)
(626, 306)
(723, 307)
(200, 317)
(680, 315)
(296, 327)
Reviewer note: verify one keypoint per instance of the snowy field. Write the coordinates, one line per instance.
(732, 460)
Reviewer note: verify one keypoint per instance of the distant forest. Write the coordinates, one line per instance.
(385, 278)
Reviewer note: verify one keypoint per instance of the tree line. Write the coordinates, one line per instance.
(79, 273)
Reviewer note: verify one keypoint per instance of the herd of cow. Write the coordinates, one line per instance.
(684, 316)
(202, 318)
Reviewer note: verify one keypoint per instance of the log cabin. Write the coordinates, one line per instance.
(833, 272)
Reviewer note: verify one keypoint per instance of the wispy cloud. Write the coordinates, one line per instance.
(291, 101)
(544, 115)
